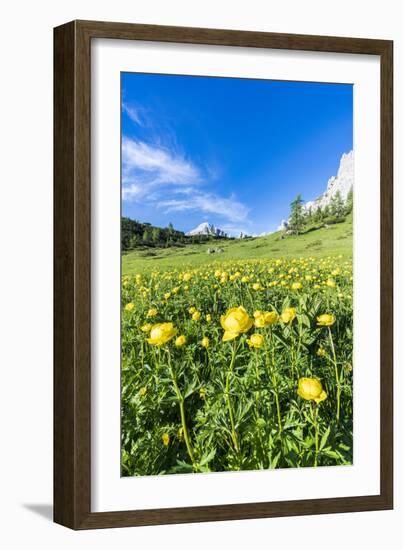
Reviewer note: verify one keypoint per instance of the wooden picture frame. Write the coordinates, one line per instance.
(72, 274)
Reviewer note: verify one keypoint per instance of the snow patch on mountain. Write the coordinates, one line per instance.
(206, 228)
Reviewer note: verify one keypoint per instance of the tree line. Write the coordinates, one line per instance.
(135, 234)
(302, 219)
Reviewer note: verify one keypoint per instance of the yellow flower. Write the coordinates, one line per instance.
(311, 389)
(321, 352)
(205, 342)
(167, 295)
(192, 310)
(187, 276)
(265, 319)
(152, 312)
(180, 341)
(326, 320)
(142, 391)
(196, 316)
(330, 283)
(208, 317)
(165, 439)
(147, 327)
(161, 333)
(288, 314)
(235, 322)
(257, 314)
(257, 286)
(296, 286)
(256, 341)
(202, 393)
(129, 306)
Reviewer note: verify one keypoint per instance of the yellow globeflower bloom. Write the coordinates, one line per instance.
(256, 341)
(161, 333)
(147, 327)
(187, 276)
(235, 322)
(165, 439)
(311, 389)
(192, 310)
(288, 314)
(257, 286)
(257, 314)
(196, 316)
(202, 393)
(296, 286)
(208, 317)
(142, 391)
(325, 320)
(180, 341)
(321, 352)
(270, 317)
(205, 342)
(152, 312)
(129, 306)
(265, 319)
(330, 283)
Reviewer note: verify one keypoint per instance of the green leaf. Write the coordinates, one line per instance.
(324, 438)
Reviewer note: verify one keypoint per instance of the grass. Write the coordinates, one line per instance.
(333, 240)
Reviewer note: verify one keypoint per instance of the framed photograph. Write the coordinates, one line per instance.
(222, 275)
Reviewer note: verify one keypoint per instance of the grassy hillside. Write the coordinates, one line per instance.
(335, 239)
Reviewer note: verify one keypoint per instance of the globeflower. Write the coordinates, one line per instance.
(208, 317)
(311, 389)
(321, 352)
(196, 316)
(180, 341)
(161, 333)
(255, 341)
(235, 322)
(288, 314)
(129, 306)
(165, 439)
(296, 286)
(152, 312)
(257, 286)
(325, 320)
(147, 327)
(265, 318)
(205, 342)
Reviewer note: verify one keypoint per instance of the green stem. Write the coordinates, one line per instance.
(336, 371)
(315, 423)
(228, 399)
(274, 381)
(181, 403)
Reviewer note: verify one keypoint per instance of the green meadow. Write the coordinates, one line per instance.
(327, 241)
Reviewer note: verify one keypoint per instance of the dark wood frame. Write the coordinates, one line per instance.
(72, 296)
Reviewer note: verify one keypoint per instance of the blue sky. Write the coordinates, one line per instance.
(233, 152)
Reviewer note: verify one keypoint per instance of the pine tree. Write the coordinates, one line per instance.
(337, 206)
(349, 202)
(297, 215)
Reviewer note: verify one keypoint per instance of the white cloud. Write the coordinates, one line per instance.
(133, 113)
(228, 208)
(146, 167)
(168, 180)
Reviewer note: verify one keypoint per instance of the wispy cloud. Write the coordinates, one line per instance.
(209, 203)
(134, 113)
(166, 179)
(146, 168)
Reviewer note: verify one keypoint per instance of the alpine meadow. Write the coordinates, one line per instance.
(237, 276)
